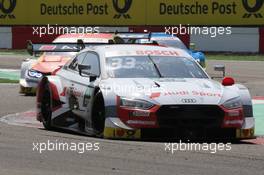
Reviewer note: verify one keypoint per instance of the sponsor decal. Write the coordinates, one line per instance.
(188, 100)
(185, 93)
(73, 103)
(7, 8)
(172, 93)
(155, 95)
(253, 10)
(141, 122)
(121, 133)
(75, 92)
(132, 12)
(205, 12)
(139, 114)
(143, 53)
(126, 133)
(47, 47)
(73, 95)
(63, 94)
(122, 11)
(87, 97)
(158, 52)
(208, 94)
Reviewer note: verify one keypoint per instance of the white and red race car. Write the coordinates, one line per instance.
(143, 91)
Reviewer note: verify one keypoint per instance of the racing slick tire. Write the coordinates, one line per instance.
(46, 106)
(98, 114)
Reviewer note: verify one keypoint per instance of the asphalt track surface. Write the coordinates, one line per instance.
(120, 157)
(11, 61)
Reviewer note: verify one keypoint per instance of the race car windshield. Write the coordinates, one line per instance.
(172, 43)
(153, 67)
(169, 42)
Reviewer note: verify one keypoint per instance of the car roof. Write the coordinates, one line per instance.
(131, 49)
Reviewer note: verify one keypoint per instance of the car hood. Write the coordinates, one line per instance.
(171, 90)
(47, 64)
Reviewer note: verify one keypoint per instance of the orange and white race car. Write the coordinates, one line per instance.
(32, 69)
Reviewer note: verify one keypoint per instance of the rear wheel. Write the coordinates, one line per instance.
(46, 107)
(98, 114)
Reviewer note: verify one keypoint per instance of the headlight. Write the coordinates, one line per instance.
(233, 103)
(133, 103)
(34, 74)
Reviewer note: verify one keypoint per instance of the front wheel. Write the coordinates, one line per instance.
(98, 114)
(46, 107)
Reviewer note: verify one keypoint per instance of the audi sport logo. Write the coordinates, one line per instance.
(7, 8)
(122, 11)
(189, 100)
(253, 11)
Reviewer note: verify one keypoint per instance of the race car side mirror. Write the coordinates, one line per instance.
(83, 69)
(220, 68)
(80, 45)
(228, 81)
(30, 47)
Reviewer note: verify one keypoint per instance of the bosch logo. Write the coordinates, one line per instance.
(7, 8)
(253, 11)
(189, 100)
(122, 11)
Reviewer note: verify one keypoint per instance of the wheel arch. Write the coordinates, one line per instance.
(246, 100)
(56, 91)
(98, 105)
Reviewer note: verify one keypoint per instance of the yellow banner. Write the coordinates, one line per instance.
(206, 12)
(131, 12)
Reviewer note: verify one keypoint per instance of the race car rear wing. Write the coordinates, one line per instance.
(132, 38)
(134, 35)
(37, 48)
(57, 47)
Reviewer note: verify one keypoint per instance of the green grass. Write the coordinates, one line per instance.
(259, 117)
(13, 52)
(8, 81)
(235, 57)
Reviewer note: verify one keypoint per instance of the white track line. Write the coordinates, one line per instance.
(256, 102)
(9, 70)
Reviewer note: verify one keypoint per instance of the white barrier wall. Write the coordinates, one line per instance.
(241, 40)
(5, 37)
(113, 29)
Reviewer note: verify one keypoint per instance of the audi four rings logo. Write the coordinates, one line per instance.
(189, 100)
(122, 11)
(253, 11)
(7, 8)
